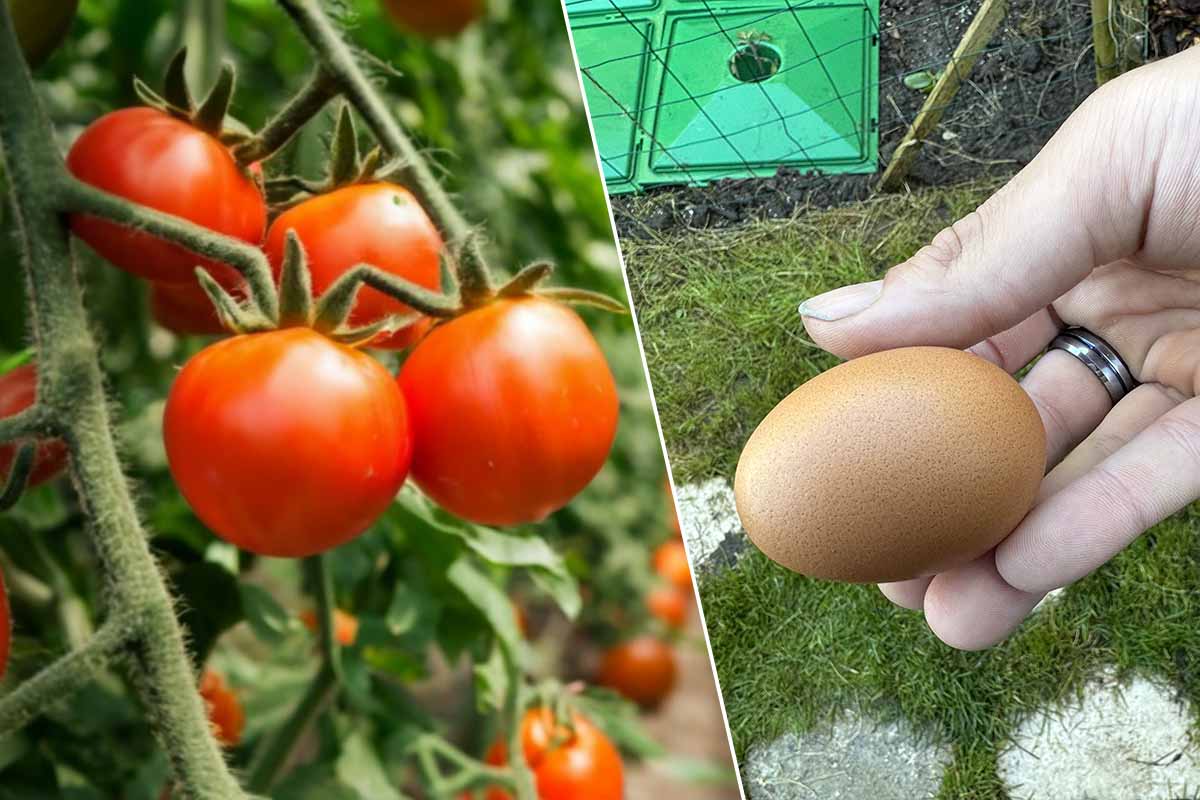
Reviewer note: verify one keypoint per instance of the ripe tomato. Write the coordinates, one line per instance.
(5, 627)
(18, 391)
(345, 626)
(225, 712)
(434, 17)
(286, 443)
(151, 158)
(374, 223)
(513, 409)
(567, 765)
(668, 604)
(185, 309)
(670, 561)
(641, 669)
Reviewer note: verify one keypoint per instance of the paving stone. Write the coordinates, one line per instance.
(851, 759)
(709, 521)
(1116, 744)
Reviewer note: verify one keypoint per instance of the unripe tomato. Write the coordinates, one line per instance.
(567, 765)
(668, 604)
(641, 669)
(434, 18)
(152, 158)
(286, 443)
(41, 26)
(513, 410)
(5, 627)
(18, 391)
(670, 561)
(345, 626)
(374, 223)
(185, 309)
(225, 712)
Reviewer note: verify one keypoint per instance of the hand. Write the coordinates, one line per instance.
(1102, 230)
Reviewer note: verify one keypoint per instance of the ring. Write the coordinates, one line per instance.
(1098, 356)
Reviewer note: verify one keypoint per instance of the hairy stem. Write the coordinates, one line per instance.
(71, 391)
(318, 91)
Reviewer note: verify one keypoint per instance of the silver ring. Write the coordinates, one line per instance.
(1098, 356)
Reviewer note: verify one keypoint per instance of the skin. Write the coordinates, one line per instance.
(642, 669)
(567, 764)
(151, 158)
(375, 223)
(668, 604)
(286, 443)
(225, 711)
(434, 18)
(18, 391)
(670, 561)
(1101, 230)
(513, 411)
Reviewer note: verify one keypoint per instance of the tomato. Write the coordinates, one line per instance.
(286, 443)
(642, 669)
(345, 626)
(152, 158)
(513, 409)
(5, 627)
(225, 712)
(522, 619)
(670, 561)
(18, 391)
(41, 26)
(567, 765)
(434, 17)
(374, 223)
(668, 604)
(185, 309)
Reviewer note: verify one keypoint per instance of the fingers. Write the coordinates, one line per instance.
(1075, 530)
(972, 607)
(907, 594)
(1015, 347)
(1069, 399)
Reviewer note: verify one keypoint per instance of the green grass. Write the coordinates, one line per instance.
(724, 344)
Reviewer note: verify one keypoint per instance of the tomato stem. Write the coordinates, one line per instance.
(18, 475)
(276, 750)
(279, 130)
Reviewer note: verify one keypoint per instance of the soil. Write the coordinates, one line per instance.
(1037, 69)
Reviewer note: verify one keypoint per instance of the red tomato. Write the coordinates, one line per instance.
(184, 308)
(374, 223)
(151, 158)
(286, 443)
(670, 561)
(434, 17)
(668, 604)
(345, 626)
(513, 409)
(5, 627)
(18, 391)
(578, 765)
(225, 712)
(642, 669)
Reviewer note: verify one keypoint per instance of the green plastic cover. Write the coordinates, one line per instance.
(689, 91)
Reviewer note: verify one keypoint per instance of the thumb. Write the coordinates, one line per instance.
(1080, 203)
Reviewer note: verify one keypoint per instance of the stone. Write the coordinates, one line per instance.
(709, 522)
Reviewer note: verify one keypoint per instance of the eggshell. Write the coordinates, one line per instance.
(895, 465)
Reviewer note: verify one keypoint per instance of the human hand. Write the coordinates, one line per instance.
(1101, 230)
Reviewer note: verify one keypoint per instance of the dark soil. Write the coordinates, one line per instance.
(1037, 69)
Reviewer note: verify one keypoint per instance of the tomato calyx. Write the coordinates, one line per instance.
(211, 115)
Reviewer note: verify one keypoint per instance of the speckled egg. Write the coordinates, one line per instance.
(891, 466)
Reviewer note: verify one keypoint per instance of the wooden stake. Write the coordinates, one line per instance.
(979, 33)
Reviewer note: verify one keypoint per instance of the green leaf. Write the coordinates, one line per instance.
(343, 153)
(267, 618)
(359, 767)
(295, 284)
(920, 81)
(18, 359)
(702, 771)
(489, 600)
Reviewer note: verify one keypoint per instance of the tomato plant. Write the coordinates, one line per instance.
(168, 164)
(513, 409)
(643, 669)
(570, 762)
(18, 391)
(286, 443)
(433, 18)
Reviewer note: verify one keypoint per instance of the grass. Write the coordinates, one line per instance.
(724, 344)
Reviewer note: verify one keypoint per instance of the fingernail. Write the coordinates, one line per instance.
(841, 303)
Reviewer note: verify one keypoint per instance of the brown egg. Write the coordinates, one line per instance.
(892, 466)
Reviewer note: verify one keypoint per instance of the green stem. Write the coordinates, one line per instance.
(63, 678)
(322, 588)
(514, 712)
(316, 92)
(415, 172)
(77, 196)
(71, 391)
(275, 752)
